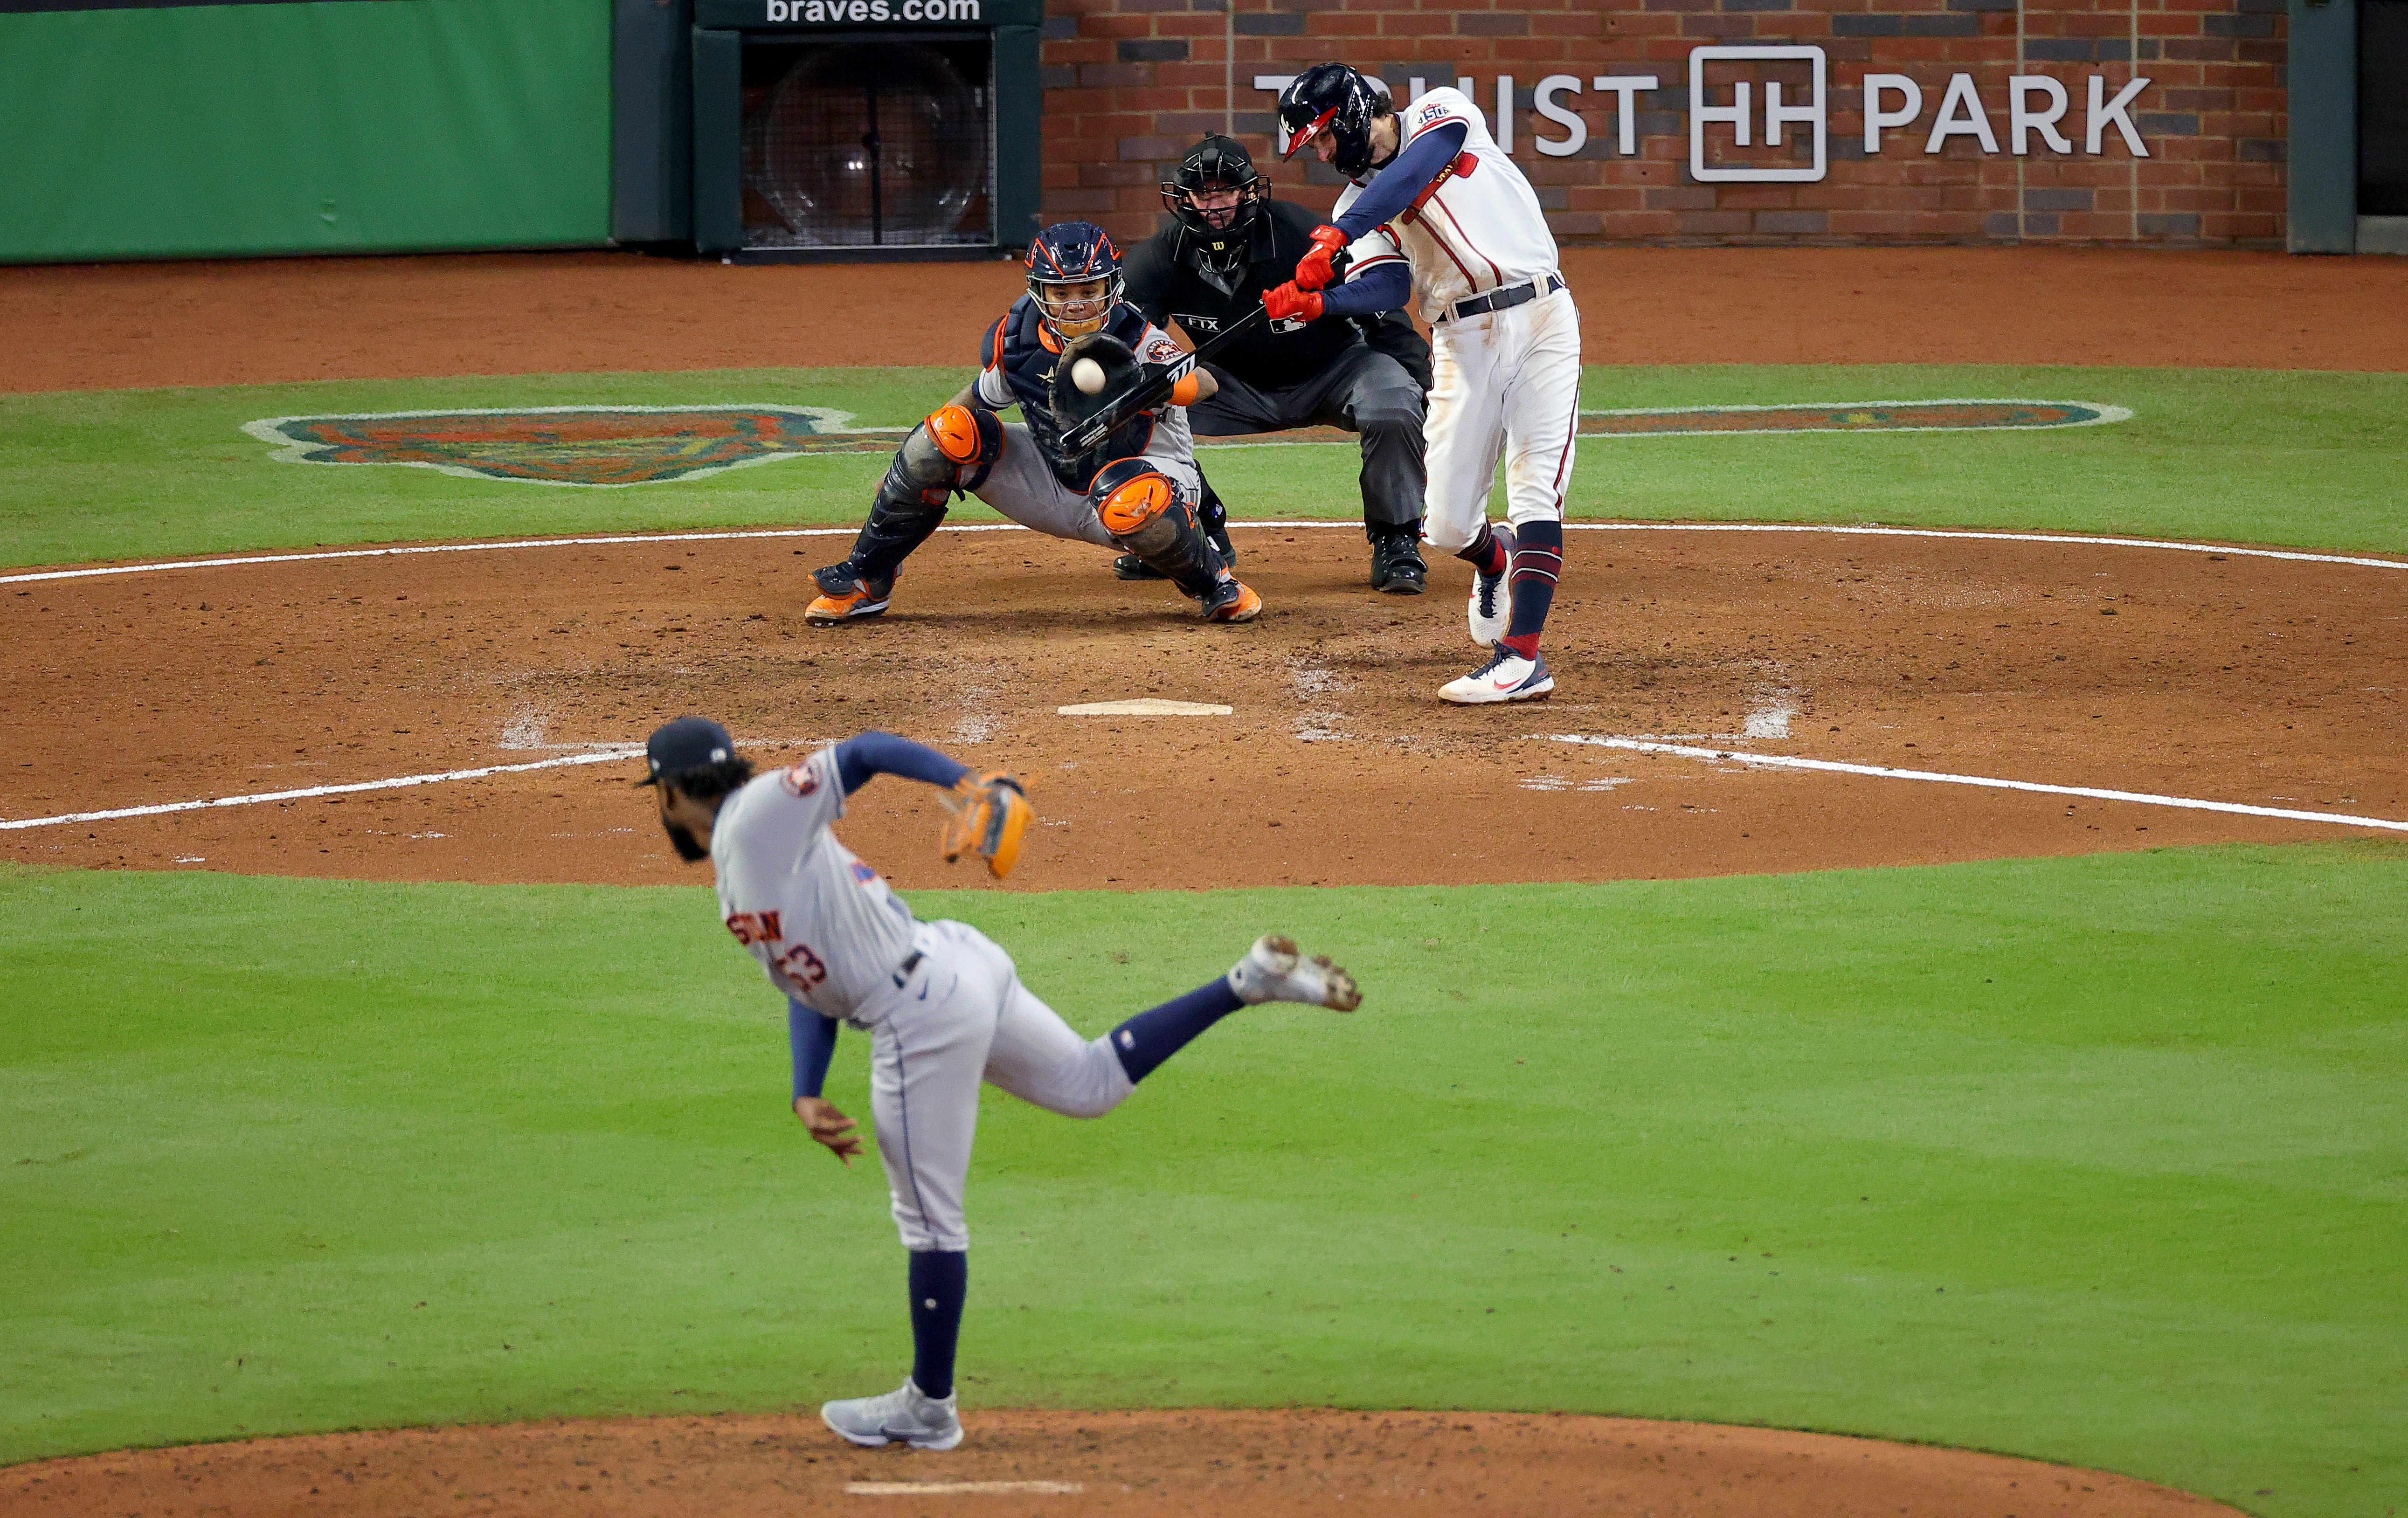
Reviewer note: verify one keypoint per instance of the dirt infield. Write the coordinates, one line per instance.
(2264, 681)
(87, 327)
(1296, 1464)
(2232, 678)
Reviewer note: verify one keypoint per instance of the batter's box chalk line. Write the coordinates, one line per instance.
(1865, 530)
(1830, 767)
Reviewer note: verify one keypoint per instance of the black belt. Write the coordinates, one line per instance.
(1505, 299)
(910, 963)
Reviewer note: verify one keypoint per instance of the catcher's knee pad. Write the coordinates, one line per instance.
(952, 450)
(1148, 514)
(971, 437)
(1130, 493)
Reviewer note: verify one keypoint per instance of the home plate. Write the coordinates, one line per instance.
(961, 1488)
(1145, 707)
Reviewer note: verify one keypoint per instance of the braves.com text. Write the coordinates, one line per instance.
(833, 12)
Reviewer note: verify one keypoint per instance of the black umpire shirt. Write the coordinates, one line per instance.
(1166, 282)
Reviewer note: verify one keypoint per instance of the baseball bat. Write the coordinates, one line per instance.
(1147, 394)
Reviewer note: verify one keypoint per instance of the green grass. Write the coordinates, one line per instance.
(2100, 1160)
(2307, 459)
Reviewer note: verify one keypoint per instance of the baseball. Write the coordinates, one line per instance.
(1088, 376)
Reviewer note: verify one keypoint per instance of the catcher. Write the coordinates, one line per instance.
(943, 1007)
(1137, 490)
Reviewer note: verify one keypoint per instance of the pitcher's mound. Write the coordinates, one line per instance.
(1312, 1462)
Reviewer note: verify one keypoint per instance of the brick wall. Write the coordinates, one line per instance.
(1129, 83)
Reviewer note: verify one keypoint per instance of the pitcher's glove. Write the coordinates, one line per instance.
(990, 812)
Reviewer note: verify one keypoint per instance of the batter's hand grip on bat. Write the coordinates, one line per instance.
(1318, 268)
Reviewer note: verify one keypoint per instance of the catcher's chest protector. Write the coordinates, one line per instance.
(1022, 349)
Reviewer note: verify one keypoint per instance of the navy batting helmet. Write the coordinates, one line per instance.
(1074, 272)
(1335, 100)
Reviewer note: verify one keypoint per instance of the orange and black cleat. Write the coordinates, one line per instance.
(845, 596)
(1229, 600)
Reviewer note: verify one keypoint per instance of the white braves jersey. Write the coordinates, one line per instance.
(823, 923)
(1478, 229)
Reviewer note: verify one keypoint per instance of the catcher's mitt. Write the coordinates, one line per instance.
(990, 812)
(1072, 406)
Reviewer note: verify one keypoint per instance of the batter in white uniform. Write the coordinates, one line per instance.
(942, 1005)
(1505, 339)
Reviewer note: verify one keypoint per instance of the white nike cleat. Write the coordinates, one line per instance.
(1275, 969)
(900, 1417)
(1508, 677)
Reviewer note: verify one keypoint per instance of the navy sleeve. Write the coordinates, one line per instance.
(1384, 289)
(1407, 175)
(812, 1038)
(864, 754)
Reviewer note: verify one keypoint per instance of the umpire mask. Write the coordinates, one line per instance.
(1215, 194)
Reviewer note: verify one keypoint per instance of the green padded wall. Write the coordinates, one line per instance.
(334, 126)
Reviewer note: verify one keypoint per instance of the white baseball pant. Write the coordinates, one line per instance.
(1506, 384)
(960, 1017)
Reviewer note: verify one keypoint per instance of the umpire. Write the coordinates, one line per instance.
(1228, 244)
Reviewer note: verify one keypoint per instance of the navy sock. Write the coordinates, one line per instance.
(940, 1280)
(1150, 1038)
(1538, 558)
(1488, 552)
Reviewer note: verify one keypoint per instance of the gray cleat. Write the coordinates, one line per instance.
(903, 1416)
(1275, 969)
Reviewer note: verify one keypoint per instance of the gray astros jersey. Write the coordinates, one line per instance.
(823, 923)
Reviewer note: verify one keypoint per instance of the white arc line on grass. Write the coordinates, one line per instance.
(1007, 526)
(396, 784)
(1830, 767)
(962, 1488)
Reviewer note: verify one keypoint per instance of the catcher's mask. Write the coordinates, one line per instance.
(1074, 274)
(1336, 101)
(1216, 195)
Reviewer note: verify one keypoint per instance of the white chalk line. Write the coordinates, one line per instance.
(397, 782)
(1866, 531)
(1830, 767)
(962, 1488)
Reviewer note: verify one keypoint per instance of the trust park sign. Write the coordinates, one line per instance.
(1761, 113)
(2036, 106)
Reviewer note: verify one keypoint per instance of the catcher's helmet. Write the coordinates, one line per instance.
(1066, 255)
(1216, 162)
(1336, 100)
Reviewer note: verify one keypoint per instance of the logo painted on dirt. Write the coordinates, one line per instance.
(634, 445)
(565, 445)
(1859, 416)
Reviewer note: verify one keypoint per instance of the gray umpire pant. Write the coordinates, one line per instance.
(1364, 391)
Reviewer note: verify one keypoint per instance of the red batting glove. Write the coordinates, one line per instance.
(1287, 301)
(1312, 271)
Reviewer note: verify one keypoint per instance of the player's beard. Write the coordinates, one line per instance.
(681, 840)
